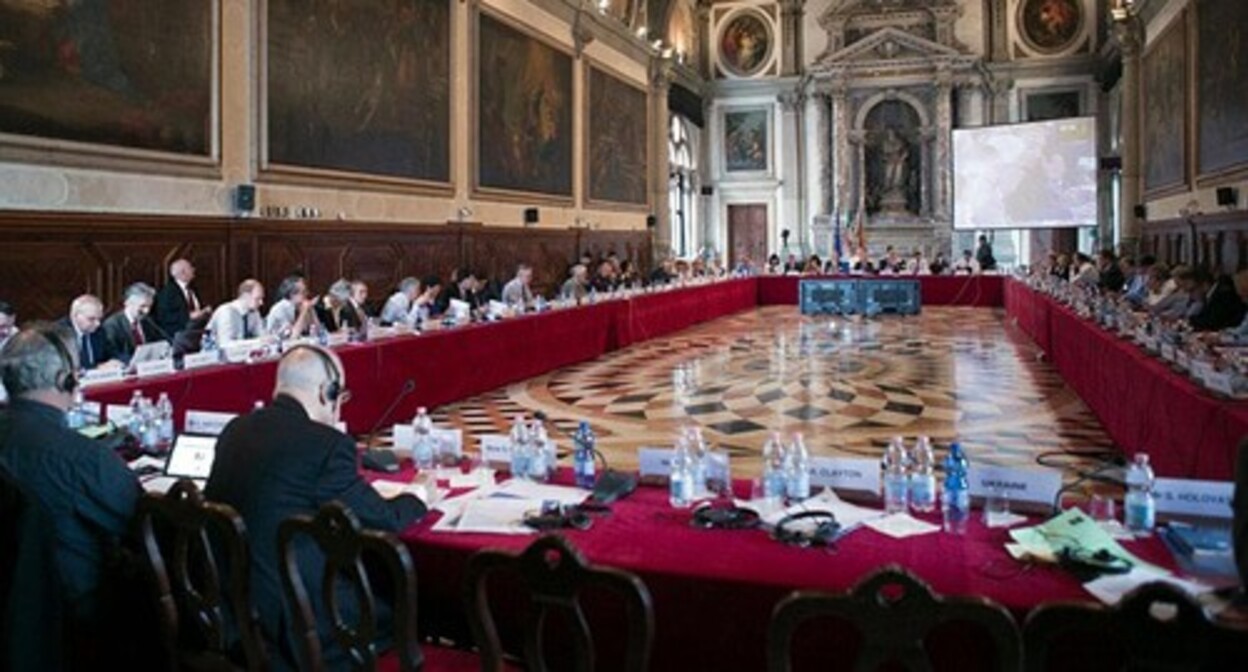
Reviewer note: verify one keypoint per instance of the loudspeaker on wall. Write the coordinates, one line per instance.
(1228, 196)
(245, 198)
(530, 216)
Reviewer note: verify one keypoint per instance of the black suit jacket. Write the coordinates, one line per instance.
(99, 352)
(170, 310)
(473, 299)
(1239, 507)
(119, 340)
(1222, 310)
(276, 463)
(347, 317)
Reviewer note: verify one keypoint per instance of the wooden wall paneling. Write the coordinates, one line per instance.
(1217, 240)
(497, 251)
(631, 245)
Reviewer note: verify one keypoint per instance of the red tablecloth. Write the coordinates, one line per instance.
(983, 291)
(714, 590)
(452, 364)
(1143, 404)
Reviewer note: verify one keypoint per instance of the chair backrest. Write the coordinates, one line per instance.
(555, 574)
(1157, 627)
(185, 538)
(337, 533)
(31, 614)
(895, 611)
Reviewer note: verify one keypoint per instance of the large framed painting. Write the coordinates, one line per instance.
(524, 113)
(103, 79)
(616, 140)
(1164, 76)
(746, 43)
(1051, 26)
(747, 140)
(1222, 64)
(358, 90)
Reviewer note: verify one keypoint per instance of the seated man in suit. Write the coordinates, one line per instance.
(177, 305)
(288, 459)
(294, 313)
(86, 314)
(1222, 308)
(516, 292)
(333, 310)
(577, 284)
(1238, 335)
(239, 320)
(465, 289)
(130, 327)
(358, 303)
(87, 491)
(405, 305)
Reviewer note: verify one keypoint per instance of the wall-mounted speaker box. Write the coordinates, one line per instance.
(530, 216)
(651, 221)
(245, 197)
(1111, 163)
(1228, 196)
(708, 190)
(1141, 211)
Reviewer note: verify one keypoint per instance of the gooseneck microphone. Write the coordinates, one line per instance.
(409, 386)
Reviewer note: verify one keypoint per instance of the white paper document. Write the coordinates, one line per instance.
(1111, 588)
(848, 515)
(541, 492)
(900, 526)
(422, 491)
(497, 515)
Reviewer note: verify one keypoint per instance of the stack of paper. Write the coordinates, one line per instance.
(500, 509)
(847, 515)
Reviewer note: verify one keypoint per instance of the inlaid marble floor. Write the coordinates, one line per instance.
(848, 385)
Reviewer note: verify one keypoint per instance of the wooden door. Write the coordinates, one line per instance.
(747, 233)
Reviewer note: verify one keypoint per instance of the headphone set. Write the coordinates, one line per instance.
(332, 390)
(555, 516)
(711, 517)
(827, 530)
(66, 377)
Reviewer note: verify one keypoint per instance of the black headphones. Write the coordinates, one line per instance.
(554, 516)
(67, 377)
(332, 389)
(710, 517)
(825, 532)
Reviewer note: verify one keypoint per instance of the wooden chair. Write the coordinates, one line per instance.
(894, 611)
(345, 546)
(32, 636)
(555, 574)
(205, 614)
(1154, 627)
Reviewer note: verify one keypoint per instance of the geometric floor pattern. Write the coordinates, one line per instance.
(849, 385)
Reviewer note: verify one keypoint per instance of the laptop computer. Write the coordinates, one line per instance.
(150, 352)
(191, 457)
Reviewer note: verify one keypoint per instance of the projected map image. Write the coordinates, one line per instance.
(1025, 176)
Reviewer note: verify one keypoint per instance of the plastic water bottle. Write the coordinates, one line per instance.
(74, 418)
(519, 440)
(422, 444)
(583, 455)
(896, 477)
(698, 459)
(923, 477)
(957, 496)
(149, 426)
(773, 468)
(680, 480)
(164, 415)
(542, 456)
(209, 342)
(1140, 507)
(135, 424)
(797, 481)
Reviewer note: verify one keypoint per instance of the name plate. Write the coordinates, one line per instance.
(1183, 360)
(208, 423)
(1167, 352)
(118, 414)
(495, 448)
(404, 437)
(1038, 486)
(159, 367)
(199, 360)
(1221, 381)
(655, 462)
(337, 338)
(845, 473)
(1201, 369)
(1210, 499)
(449, 441)
(97, 376)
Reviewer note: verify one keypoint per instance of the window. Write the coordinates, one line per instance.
(682, 186)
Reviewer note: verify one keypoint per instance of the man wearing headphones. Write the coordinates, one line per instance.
(86, 489)
(288, 459)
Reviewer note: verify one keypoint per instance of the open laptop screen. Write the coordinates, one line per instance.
(191, 457)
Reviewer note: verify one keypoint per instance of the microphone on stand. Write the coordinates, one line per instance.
(385, 460)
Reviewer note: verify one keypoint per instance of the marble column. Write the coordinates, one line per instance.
(703, 60)
(818, 141)
(792, 190)
(660, 83)
(791, 14)
(941, 159)
(1129, 31)
(843, 156)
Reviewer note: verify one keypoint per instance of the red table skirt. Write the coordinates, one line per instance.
(453, 364)
(983, 291)
(714, 590)
(1143, 404)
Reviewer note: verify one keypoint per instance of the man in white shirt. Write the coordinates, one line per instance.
(404, 306)
(967, 265)
(516, 292)
(577, 285)
(1086, 273)
(239, 320)
(292, 315)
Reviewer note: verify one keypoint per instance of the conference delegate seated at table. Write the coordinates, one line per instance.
(239, 320)
(665, 272)
(177, 307)
(984, 256)
(516, 292)
(358, 303)
(130, 327)
(466, 288)
(939, 265)
(792, 265)
(917, 265)
(294, 313)
(605, 281)
(1222, 307)
(891, 262)
(1084, 272)
(1167, 297)
(1061, 267)
(1238, 335)
(967, 265)
(773, 265)
(814, 266)
(287, 459)
(86, 493)
(1135, 291)
(1109, 273)
(406, 304)
(576, 286)
(334, 309)
(628, 274)
(86, 314)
